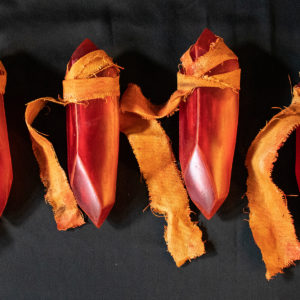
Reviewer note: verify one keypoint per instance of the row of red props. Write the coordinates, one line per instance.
(207, 98)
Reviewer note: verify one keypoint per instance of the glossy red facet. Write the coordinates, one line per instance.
(297, 167)
(5, 159)
(93, 145)
(207, 135)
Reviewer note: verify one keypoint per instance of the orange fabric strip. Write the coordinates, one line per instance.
(137, 103)
(270, 220)
(3, 77)
(76, 90)
(59, 195)
(167, 194)
(225, 80)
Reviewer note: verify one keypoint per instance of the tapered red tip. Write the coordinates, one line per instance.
(200, 184)
(84, 48)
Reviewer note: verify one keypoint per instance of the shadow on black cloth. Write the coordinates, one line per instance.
(5, 237)
(25, 84)
(157, 84)
(210, 249)
(131, 192)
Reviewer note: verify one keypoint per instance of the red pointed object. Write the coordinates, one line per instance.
(5, 160)
(207, 135)
(93, 145)
(297, 165)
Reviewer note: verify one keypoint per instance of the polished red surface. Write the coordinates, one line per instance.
(93, 145)
(297, 166)
(207, 135)
(6, 173)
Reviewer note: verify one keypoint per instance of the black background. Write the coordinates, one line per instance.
(126, 258)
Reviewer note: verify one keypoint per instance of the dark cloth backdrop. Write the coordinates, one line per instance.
(127, 257)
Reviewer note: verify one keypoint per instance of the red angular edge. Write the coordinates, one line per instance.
(297, 164)
(5, 159)
(207, 135)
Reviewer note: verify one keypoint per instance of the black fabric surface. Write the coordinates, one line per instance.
(127, 257)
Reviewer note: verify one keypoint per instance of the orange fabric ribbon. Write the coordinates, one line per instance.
(270, 220)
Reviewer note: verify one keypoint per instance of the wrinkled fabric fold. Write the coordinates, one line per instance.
(270, 220)
(168, 197)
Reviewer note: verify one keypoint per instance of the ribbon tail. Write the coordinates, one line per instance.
(183, 237)
(59, 195)
(167, 194)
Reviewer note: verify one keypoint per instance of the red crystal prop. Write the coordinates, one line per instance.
(297, 169)
(93, 145)
(207, 135)
(297, 165)
(5, 160)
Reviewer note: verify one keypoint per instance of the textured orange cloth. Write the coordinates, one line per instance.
(59, 194)
(270, 220)
(167, 194)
